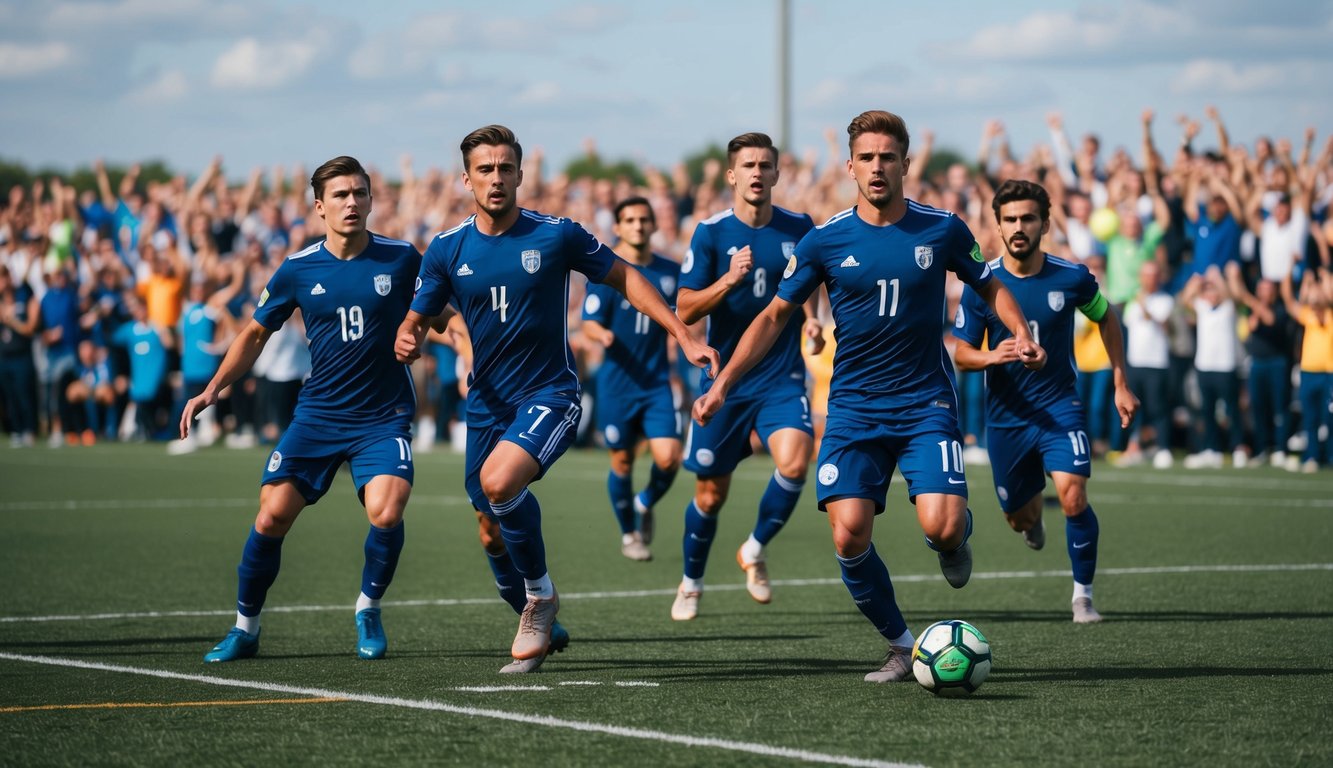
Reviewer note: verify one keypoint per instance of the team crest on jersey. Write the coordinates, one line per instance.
(668, 285)
(1056, 299)
(263, 297)
(925, 256)
(828, 474)
(274, 461)
(791, 266)
(382, 284)
(592, 304)
(532, 261)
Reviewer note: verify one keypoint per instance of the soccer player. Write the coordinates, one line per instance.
(891, 400)
(633, 391)
(1036, 420)
(730, 273)
(506, 270)
(352, 288)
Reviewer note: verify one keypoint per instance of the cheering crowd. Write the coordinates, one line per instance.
(116, 304)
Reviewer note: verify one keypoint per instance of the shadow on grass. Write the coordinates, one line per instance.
(1116, 673)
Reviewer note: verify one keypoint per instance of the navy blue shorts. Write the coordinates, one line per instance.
(310, 454)
(858, 455)
(623, 420)
(716, 449)
(544, 426)
(1020, 457)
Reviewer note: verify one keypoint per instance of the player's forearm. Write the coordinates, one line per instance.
(693, 306)
(1114, 342)
(240, 358)
(969, 358)
(1006, 308)
(757, 340)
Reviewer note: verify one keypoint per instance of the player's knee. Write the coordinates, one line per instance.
(499, 489)
(947, 531)
(709, 500)
(849, 542)
(1074, 499)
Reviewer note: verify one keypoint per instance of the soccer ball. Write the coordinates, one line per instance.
(951, 658)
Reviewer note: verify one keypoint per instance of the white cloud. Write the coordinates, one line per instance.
(18, 60)
(1211, 77)
(539, 94)
(168, 87)
(251, 65)
(138, 14)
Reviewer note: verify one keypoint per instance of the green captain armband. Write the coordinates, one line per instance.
(975, 253)
(1095, 310)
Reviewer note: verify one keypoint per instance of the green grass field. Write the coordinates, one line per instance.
(118, 573)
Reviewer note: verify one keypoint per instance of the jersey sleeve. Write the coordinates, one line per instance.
(965, 257)
(969, 323)
(433, 287)
(278, 299)
(804, 272)
(696, 272)
(587, 254)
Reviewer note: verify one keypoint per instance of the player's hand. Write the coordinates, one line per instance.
(606, 337)
(1031, 355)
(701, 355)
(742, 262)
(1005, 352)
(813, 330)
(1126, 404)
(707, 406)
(193, 407)
(407, 348)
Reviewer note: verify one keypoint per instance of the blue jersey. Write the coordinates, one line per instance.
(512, 290)
(636, 362)
(199, 324)
(1014, 394)
(352, 309)
(709, 258)
(886, 290)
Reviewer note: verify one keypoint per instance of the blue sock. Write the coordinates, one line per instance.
(383, 545)
(1081, 540)
(508, 581)
(699, 531)
(260, 561)
(776, 505)
(967, 534)
(621, 490)
(659, 482)
(867, 578)
(521, 528)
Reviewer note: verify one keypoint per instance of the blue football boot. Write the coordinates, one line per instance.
(238, 644)
(370, 641)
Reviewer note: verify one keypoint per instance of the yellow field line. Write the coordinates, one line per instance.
(152, 705)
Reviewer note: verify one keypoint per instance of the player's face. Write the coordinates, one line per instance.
(1021, 228)
(753, 175)
(346, 205)
(878, 165)
(493, 177)
(636, 226)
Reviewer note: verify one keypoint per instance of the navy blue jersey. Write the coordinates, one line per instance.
(352, 309)
(886, 290)
(709, 258)
(636, 361)
(512, 290)
(1014, 394)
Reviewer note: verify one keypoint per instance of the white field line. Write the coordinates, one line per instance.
(909, 578)
(173, 504)
(763, 750)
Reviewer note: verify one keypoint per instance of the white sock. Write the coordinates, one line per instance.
(905, 640)
(752, 551)
(248, 624)
(542, 588)
(626, 538)
(1082, 590)
(363, 602)
(692, 585)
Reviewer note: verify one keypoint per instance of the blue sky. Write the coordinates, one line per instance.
(287, 82)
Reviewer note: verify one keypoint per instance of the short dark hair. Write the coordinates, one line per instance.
(1014, 190)
(633, 201)
(878, 121)
(747, 140)
(343, 165)
(490, 136)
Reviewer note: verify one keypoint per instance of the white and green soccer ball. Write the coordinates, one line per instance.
(951, 658)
